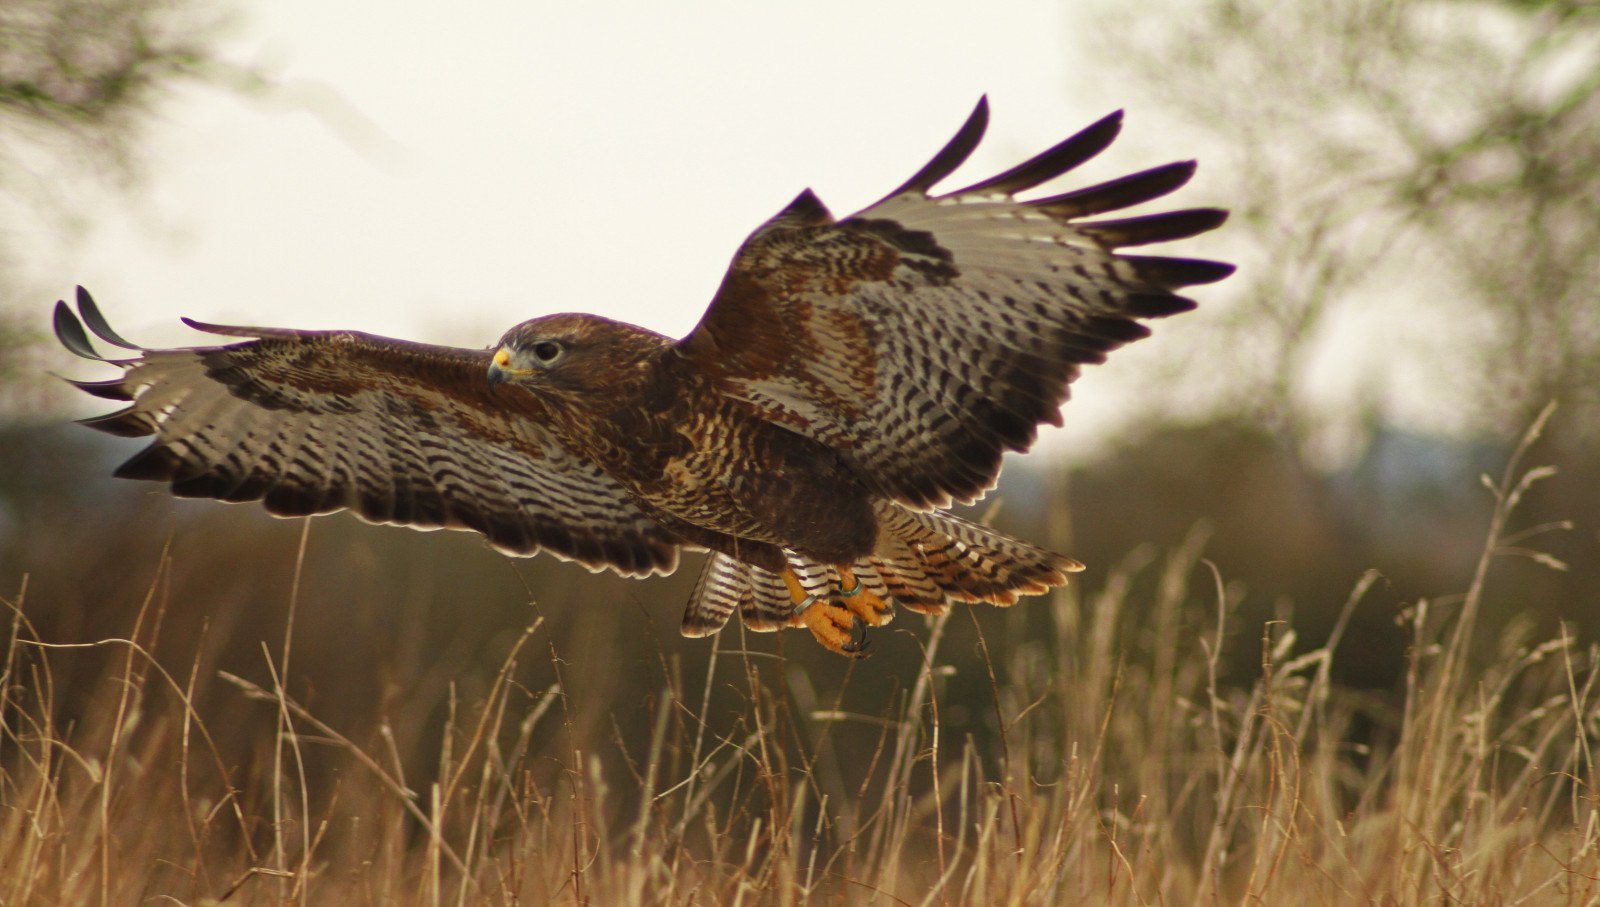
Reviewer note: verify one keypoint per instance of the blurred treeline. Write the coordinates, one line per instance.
(1416, 189)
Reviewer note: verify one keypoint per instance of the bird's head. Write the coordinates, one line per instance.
(574, 354)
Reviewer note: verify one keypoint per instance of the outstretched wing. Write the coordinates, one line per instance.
(928, 334)
(404, 433)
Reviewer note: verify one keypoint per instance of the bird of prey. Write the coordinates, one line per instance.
(851, 378)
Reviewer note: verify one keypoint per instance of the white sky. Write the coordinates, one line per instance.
(441, 172)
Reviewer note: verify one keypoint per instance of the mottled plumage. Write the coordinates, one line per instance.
(849, 378)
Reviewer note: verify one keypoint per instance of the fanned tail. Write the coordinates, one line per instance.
(928, 558)
(923, 561)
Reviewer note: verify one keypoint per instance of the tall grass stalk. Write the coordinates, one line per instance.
(1117, 761)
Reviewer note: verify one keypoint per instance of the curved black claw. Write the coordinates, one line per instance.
(859, 645)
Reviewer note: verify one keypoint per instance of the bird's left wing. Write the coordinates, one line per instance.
(398, 432)
(927, 334)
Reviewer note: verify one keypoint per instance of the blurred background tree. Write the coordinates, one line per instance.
(1414, 186)
(80, 82)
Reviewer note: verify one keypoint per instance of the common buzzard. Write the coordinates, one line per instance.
(851, 378)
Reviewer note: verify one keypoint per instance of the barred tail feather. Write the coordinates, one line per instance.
(968, 562)
(727, 586)
(722, 589)
(923, 561)
(898, 567)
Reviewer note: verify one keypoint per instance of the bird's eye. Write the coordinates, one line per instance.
(546, 352)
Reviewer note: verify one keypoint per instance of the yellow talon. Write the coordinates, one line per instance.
(873, 611)
(841, 630)
(838, 629)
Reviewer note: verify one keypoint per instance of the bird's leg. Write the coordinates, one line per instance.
(839, 630)
(862, 602)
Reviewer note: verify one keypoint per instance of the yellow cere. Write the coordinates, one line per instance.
(502, 358)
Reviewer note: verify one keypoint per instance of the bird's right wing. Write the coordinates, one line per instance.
(398, 432)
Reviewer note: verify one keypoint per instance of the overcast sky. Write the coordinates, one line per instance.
(441, 172)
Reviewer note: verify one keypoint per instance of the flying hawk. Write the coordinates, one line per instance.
(851, 378)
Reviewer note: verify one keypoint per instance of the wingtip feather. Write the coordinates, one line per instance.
(1153, 228)
(115, 389)
(69, 330)
(1062, 157)
(97, 322)
(1170, 273)
(124, 423)
(225, 330)
(952, 155)
(1116, 194)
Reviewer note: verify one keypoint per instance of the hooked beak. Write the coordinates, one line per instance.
(500, 368)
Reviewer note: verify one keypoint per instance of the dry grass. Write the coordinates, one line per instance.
(1123, 772)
